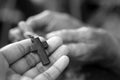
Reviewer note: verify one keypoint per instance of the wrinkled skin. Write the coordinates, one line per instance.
(44, 23)
(91, 46)
(14, 65)
(86, 45)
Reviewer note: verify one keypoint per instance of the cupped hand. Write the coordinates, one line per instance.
(18, 63)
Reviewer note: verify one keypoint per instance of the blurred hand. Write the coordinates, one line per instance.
(46, 22)
(90, 45)
(51, 21)
(17, 64)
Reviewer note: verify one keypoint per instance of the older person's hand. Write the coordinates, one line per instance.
(44, 23)
(18, 63)
(90, 45)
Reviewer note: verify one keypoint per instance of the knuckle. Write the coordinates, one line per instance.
(92, 33)
(57, 69)
(40, 68)
(52, 59)
(85, 32)
(48, 76)
(31, 60)
(20, 47)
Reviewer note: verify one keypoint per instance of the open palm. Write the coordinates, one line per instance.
(17, 63)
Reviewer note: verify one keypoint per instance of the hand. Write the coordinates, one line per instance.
(51, 21)
(43, 23)
(90, 45)
(17, 63)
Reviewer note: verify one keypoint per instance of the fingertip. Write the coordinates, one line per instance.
(27, 34)
(55, 70)
(61, 63)
(62, 50)
(15, 34)
(21, 25)
(56, 41)
(65, 59)
(59, 66)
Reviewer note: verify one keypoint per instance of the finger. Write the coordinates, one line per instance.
(13, 77)
(40, 21)
(25, 78)
(15, 35)
(54, 71)
(14, 51)
(24, 27)
(31, 60)
(66, 35)
(72, 35)
(78, 49)
(27, 34)
(63, 50)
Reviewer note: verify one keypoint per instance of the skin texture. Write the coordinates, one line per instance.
(87, 46)
(90, 45)
(14, 64)
(43, 23)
